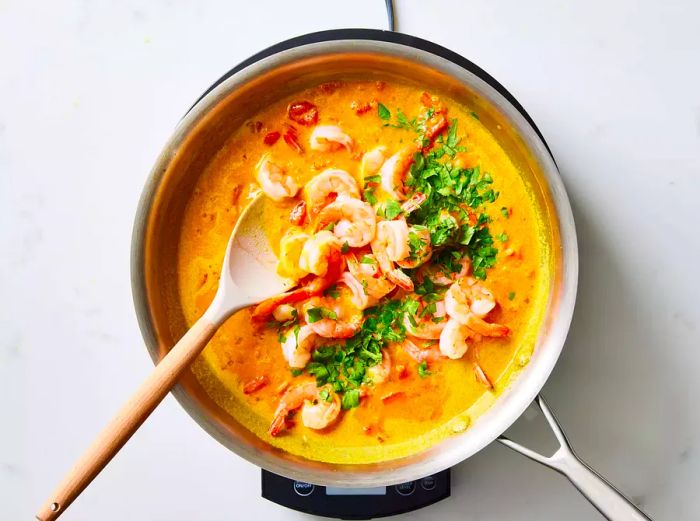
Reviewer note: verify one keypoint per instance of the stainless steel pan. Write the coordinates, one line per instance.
(293, 65)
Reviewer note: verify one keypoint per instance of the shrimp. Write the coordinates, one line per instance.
(468, 302)
(391, 244)
(316, 412)
(394, 171)
(420, 248)
(284, 312)
(425, 327)
(326, 186)
(429, 353)
(360, 297)
(344, 324)
(414, 202)
(316, 252)
(329, 138)
(453, 339)
(291, 246)
(438, 275)
(380, 372)
(297, 346)
(436, 117)
(311, 288)
(372, 161)
(374, 284)
(274, 182)
(353, 220)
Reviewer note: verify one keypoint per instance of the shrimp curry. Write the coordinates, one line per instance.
(421, 263)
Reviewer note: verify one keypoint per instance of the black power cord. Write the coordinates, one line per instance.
(390, 14)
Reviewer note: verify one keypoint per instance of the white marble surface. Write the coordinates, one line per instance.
(91, 90)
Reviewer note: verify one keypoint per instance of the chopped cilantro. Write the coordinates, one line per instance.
(369, 196)
(316, 314)
(365, 259)
(325, 395)
(350, 399)
(373, 179)
(345, 247)
(415, 243)
(452, 139)
(453, 197)
(392, 209)
(503, 237)
(297, 372)
(511, 295)
(474, 115)
(423, 370)
(330, 227)
(383, 112)
(430, 309)
(504, 212)
(332, 292)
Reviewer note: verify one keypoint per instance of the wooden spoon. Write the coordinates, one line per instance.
(247, 277)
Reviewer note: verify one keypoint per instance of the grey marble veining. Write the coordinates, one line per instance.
(91, 90)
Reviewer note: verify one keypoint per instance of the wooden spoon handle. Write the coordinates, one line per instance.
(129, 418)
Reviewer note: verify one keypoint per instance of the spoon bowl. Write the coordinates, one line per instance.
(248, 273)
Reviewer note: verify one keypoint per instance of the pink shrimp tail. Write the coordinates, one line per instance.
(278, 424)
(313, 288)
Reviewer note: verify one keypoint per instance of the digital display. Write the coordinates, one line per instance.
(374, 491)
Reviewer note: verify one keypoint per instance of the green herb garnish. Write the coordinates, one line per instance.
(392, 209)
(350, 399)
(383, 112)
(423, 370)
(332, 291)
(316, 314)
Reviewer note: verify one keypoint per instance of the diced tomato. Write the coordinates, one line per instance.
(330, 86)
(255, 384)
(303, 112)
(271, 138)
(290, 137)
(361, 108)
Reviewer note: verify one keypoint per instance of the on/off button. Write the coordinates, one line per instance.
(406, 489)
(303, 488)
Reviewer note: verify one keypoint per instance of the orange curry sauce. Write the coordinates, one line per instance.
(408, 412)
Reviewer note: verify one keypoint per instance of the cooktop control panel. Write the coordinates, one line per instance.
(355, 503)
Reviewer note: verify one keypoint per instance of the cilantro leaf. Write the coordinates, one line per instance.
(316, 314)
(383, 112)
(392, 209)
(452, 138)
(351, 399)
(423, 370)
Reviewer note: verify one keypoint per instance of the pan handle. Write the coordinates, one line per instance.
(603, 495)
